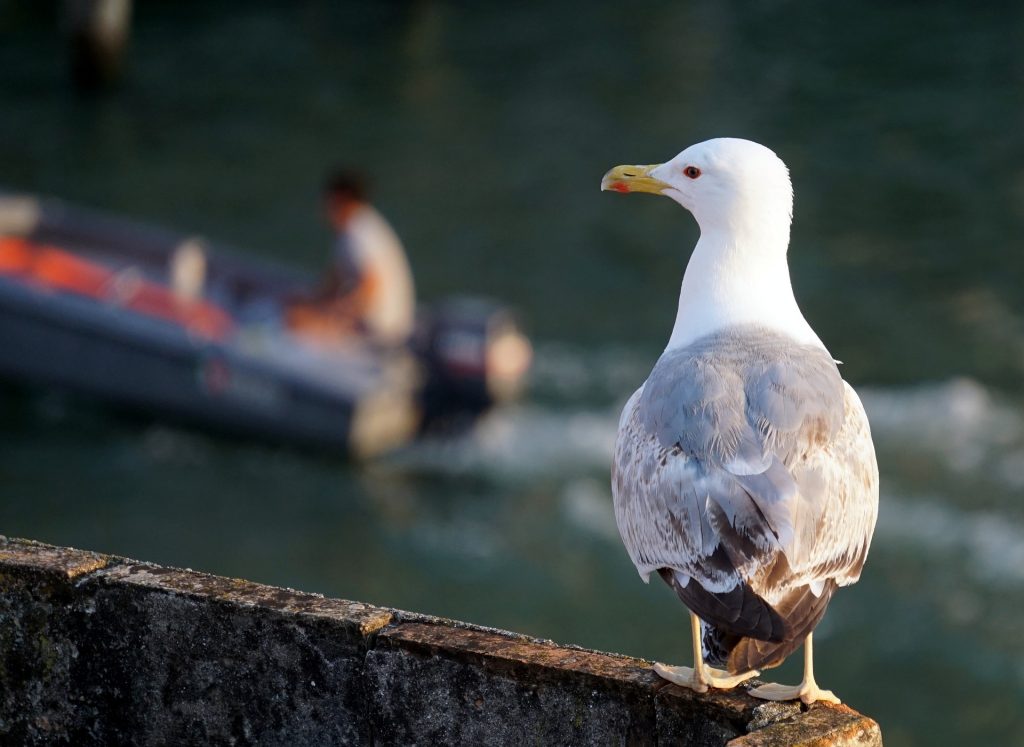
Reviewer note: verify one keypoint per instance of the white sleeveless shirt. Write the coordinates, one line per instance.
(377, 252)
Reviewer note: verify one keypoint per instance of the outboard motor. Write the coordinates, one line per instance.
(475, 356)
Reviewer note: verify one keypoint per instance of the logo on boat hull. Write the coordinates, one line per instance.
(218, 379)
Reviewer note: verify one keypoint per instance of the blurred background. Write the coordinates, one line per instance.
(486, 128)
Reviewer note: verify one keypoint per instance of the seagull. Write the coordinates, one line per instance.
(744, 473)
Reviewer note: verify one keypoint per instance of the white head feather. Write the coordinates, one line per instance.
(742, 198)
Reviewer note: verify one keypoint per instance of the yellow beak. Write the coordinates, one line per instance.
(633, 179)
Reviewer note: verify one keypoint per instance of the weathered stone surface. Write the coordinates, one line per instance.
(433, 684)
(183, 657)
(58, 563)
(103, 650)
(715, 717)
(136, 653)
(39, 626)
(356, 618)
(734, 718)
(819, 726)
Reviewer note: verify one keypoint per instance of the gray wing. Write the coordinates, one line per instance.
(838, 501)
(744, 463)
(660, 505)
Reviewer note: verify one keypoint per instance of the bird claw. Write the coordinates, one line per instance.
(682, 676)
(806, 692)
(700, 681)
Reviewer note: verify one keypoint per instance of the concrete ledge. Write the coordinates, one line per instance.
(97, 649)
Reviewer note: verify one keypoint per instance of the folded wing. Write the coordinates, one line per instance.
(744, 475)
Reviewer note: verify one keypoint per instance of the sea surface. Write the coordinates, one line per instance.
(486, 128)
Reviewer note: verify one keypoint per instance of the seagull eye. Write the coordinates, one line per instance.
(692, 171)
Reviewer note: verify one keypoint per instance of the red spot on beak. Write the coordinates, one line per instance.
(620, 187)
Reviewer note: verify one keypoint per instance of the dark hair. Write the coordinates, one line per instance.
(345, 184)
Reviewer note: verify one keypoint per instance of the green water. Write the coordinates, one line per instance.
(487, 128)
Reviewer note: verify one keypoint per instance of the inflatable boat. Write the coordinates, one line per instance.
(177, 328)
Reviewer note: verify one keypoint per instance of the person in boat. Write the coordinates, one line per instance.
(368, 286)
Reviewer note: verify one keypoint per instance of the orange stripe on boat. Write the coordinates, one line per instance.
(15, 255)
(61, 270)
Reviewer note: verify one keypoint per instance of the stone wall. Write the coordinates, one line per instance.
(96, 649)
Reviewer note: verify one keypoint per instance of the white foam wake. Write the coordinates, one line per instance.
(959, 421)
(522, 442)
(988, 544)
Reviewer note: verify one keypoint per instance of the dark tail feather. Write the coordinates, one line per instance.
(801, 610)
(743, 631)
(739, 611)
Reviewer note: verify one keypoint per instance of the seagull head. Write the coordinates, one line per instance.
(728, 184)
